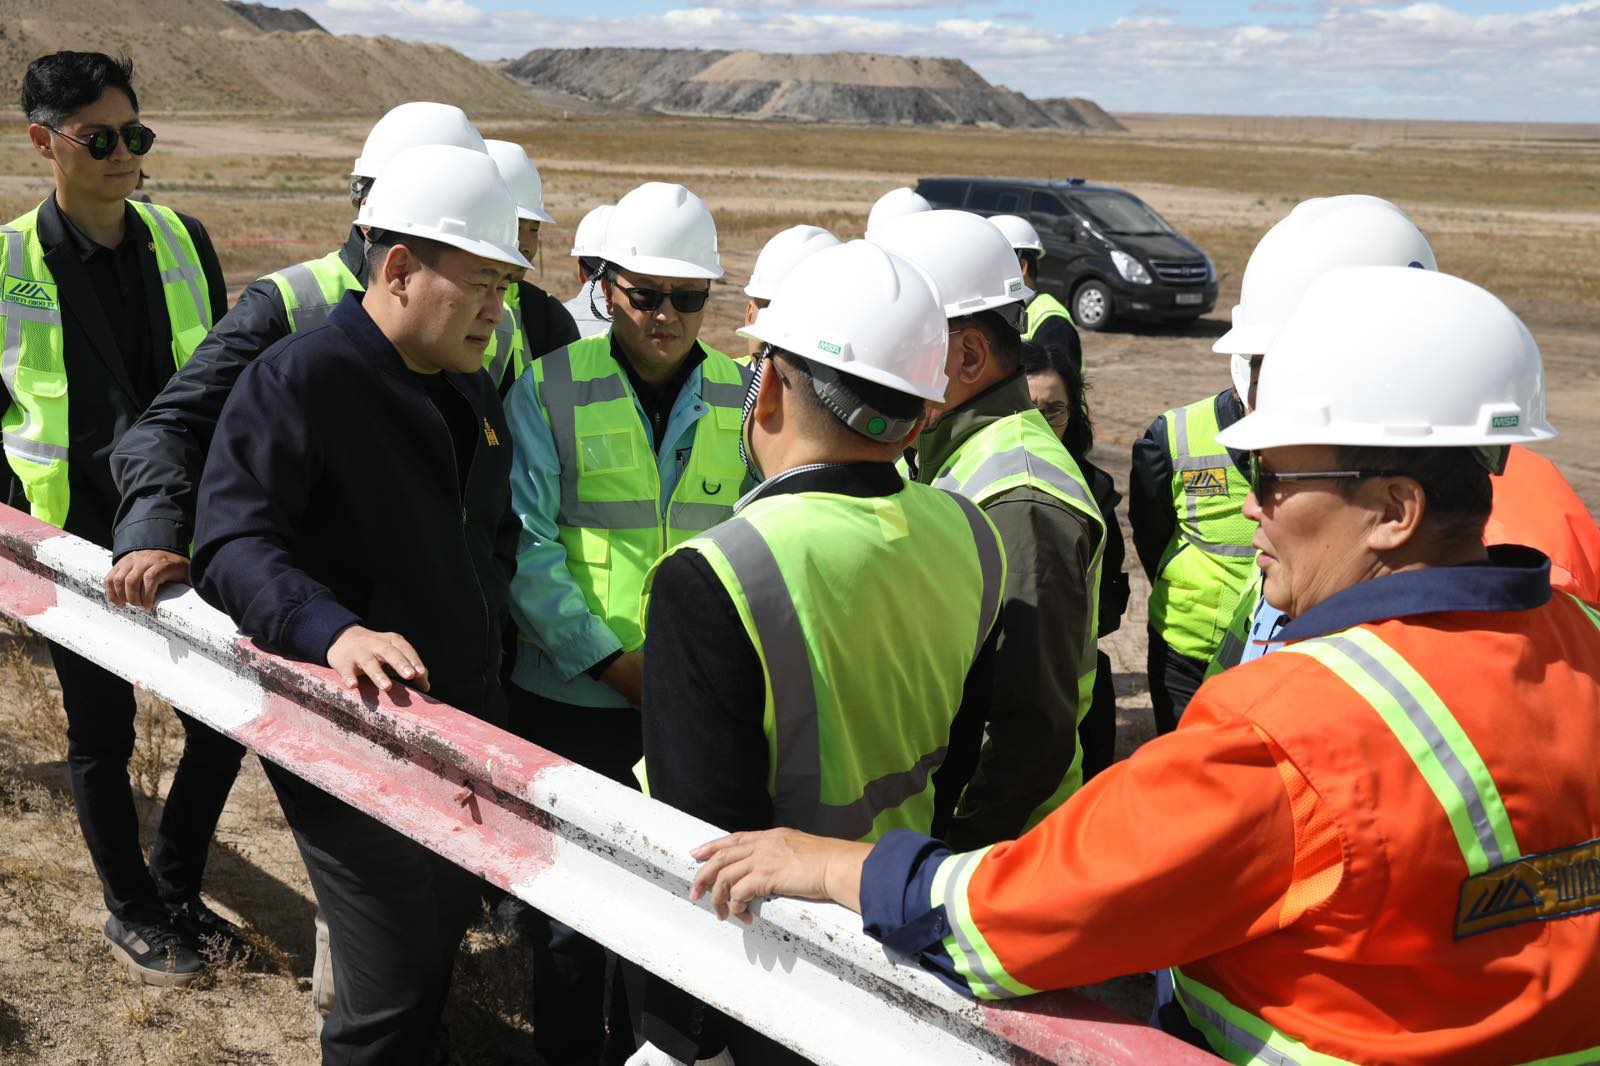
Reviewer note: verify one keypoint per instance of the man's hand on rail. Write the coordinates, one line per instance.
(777, 862)
(139, 575)
(358, 650)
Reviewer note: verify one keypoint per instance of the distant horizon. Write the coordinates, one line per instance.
(1434, 60)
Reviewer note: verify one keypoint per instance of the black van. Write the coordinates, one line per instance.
(1108, 255)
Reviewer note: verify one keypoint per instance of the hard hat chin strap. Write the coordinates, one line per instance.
(838, 397)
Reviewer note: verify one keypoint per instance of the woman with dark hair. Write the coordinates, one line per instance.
(1057, 388)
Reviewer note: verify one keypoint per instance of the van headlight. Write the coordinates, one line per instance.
(1129, 267)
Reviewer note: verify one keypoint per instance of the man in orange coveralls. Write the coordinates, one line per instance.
(1390, 843)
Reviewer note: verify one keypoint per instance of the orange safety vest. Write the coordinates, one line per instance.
(1534, 505)
(1413, 959)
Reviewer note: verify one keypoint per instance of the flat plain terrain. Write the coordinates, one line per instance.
(1516, 209)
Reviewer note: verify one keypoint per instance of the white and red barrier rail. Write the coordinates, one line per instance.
(607, 861)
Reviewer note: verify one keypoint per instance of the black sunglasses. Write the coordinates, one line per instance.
(102, 143)
(686, 301)
(1262, 480)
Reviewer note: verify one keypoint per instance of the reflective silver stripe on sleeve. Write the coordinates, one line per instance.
(991, 563)
(975, 964)
(189, 273)
(34, 451)
(1459, 777)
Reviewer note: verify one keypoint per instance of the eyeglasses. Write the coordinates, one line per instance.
(1262, 480)
(1056, 413)
(102, 143)
(686, 301)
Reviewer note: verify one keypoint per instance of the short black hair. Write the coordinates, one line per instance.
(1455, 481)
(890, 402)
(60, 83)
(1030, 257)
(1004, 341)
(1040, 358)
(380, 241)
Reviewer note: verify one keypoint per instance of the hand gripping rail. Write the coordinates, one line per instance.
(607, 861)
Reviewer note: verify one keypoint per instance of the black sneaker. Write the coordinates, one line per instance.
(152, 950)
(216, 940)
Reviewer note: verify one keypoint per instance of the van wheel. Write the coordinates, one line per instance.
(1091, 306)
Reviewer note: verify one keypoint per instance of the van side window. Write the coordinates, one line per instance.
(1046, 204)
(994, 198)
(943, 193)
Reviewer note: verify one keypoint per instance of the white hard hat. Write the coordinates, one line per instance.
(410, 125)
(895, 203)
(865, 312)
(448, 194)
(1314, 238)
(782, 254)
(521, 177)
(1386, 357)
(662, 229)
(970, 260)
(591, 232)
(1020, 232)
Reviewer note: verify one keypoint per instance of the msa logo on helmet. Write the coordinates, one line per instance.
(829, 347)
(1212, 481)
(40, 295)
(1013, 286)
(1505, 421)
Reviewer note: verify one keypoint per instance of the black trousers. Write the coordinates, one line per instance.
(396, 913)
(570, 1017)
(1173, 681)
(1098, 730)
(100, 714)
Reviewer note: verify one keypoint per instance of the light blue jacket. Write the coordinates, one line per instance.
(560, 637)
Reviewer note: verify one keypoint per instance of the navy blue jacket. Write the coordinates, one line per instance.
(331, 497)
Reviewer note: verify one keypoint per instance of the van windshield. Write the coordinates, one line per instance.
(1119, 213)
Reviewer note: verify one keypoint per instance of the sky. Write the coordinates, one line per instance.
(1510, 60)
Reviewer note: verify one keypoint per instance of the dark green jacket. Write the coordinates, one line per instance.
(1032, 733)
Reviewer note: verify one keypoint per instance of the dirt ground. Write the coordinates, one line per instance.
(1516, 210)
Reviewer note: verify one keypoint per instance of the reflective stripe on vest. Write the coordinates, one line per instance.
(1459, 780)
(1208, 558)
(35, 427)
(798, 716)
(610, 516)
(1044, 306)
(1022, 450)
(508, 348)
(311, 290)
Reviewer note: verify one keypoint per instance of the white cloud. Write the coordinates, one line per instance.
(1347, 57)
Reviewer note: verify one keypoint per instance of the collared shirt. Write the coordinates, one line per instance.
(1129, 887)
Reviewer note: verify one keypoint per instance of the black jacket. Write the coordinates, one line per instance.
(1150, 513)
(157, 466)
(104, 399)
(331, 497)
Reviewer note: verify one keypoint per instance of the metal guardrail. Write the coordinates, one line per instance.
(605, 860)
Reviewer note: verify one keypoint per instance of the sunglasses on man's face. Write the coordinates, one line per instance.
(686, 301)
(1263, 481)
(102, 143)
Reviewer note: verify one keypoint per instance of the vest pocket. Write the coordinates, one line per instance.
(589, 561)
(606, 451)
(45, 384)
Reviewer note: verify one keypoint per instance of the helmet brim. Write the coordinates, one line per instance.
(1245, 340)
(1259, 429)
(664, 268)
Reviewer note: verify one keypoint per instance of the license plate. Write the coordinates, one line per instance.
(1186, 298)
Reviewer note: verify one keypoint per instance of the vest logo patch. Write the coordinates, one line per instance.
(36, 294)
(490, 435)
(1554, 884)
(1212, 481)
